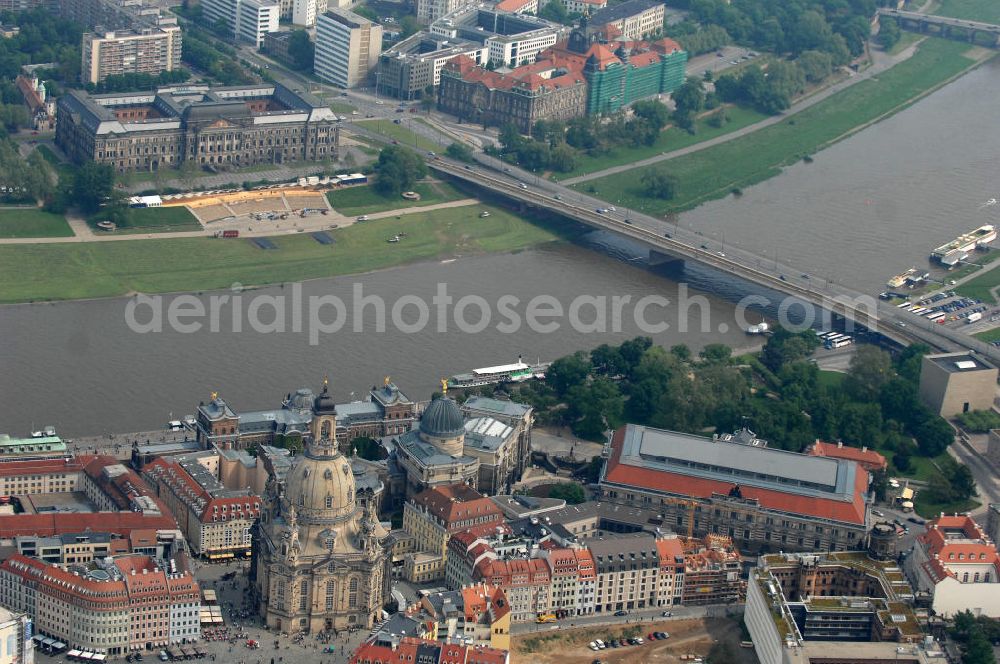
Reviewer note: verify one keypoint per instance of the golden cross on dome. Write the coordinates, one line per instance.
(215, 395)
(385, 381)
(444, 386)
(326, 380)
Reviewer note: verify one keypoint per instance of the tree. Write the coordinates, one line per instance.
(607, 360)
(567, 371)
(716, 353)
(571, 492)
(369, 448)
(888, 32)
(410, 26)
(562, 158)
(653, 112)
(596, 406)
(554, 11)
(301, 50)
(93, 186)
(460, 151)
(933, 435)
(869, 370)
(658, 183)
(398, 168)
(815, 65)
(690, 97)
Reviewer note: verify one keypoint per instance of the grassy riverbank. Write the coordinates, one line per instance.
(669, 140)
(152, 220)
(32, 222)
(104, 269)
(717, 171)
(365, 200)
(987, 11)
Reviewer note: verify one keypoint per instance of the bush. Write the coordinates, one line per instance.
(979, 421)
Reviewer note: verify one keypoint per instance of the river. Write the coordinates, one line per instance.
(868, 207)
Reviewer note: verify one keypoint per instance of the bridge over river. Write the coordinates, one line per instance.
(945, 26)
(667, 242)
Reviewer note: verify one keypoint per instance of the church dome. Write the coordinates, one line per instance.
(442, 419)
(301, 400)
(321, 489)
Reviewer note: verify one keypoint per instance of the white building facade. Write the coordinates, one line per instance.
(347, 47)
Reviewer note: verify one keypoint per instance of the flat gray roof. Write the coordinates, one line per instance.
(960, 362)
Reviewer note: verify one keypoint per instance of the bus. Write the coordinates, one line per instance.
(840, 343)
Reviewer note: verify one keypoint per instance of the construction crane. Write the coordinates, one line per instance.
(690, 504)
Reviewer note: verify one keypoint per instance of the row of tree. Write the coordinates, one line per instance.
(138, 81)
(779, 394)
(43, 38)
(770, 92)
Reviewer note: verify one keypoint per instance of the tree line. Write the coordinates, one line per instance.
(778, 393)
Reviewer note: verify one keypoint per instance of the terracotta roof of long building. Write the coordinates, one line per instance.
(57, 523)
(691, 484)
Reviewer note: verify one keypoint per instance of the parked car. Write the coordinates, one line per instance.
(621, 612)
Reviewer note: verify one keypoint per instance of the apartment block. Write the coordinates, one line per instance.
(634, 19)
(347, 47)
(249, 20)
(111, 606)
(215, 520)
(433, 516)
(146, 51)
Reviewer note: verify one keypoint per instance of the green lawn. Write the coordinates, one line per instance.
(669, 140)
(831, 379)
(972, 10)
(922, 469)
(906, 39)
(365, 200)
(989, 336)
(32, 222)
(154, 220)
(980, 287)
(341, 107)
(102, 269)
(400, 132)
(717, 171)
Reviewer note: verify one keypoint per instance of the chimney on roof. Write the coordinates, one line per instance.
(864, 448)
(840, 444)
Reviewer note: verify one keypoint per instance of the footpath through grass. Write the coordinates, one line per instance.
(669, 140)
(38, 272)
(365, 200)
(32, 222)
(987, 11)
(717, 171)
(982, 286)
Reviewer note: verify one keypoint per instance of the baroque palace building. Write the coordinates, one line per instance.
(319, 557)
(219, 128)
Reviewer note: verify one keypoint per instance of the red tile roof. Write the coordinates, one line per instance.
(870, 460)
(58, 523)
(953, 541)
(454, 505)
(698, 487)
(42, 466)
(512, 5)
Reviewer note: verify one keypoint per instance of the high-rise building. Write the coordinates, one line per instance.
(347, 47)
(304, 12)
(248, 20)
(145, 51)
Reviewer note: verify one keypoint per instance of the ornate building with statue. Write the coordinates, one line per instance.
(319, 557)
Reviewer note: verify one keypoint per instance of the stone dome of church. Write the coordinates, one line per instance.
(442, 419)
(321, 488)
(301, 400)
